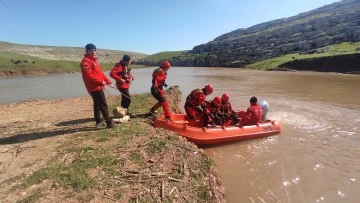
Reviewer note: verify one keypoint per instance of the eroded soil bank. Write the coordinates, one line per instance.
(50, 151)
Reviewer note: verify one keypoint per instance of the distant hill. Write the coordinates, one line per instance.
(20, 59)
(64, 53)
(302, 34)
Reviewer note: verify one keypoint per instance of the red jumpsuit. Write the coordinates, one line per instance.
(92, 74)
(252, 115)
(195, 107)
(94, 80)
(123, 78)
(230, 117)
(215, 113)
(158, 81)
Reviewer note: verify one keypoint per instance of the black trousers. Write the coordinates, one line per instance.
(100, 105)
(125, 97)
(157, 95)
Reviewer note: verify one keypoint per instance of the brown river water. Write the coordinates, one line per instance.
(316, 158)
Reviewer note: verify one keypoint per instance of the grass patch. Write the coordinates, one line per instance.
(66, 176)
(158, 145)
(185, 56)
(51, 59)
(167, 55)
(333, 50)
(203, 193)
(78, 149)
(135, 157)
(27, 63)
(102, 138)
(35, 64)
(202, 167)
(117, 162)
(75, 175)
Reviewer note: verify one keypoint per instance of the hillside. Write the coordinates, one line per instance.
(64, 53)
(19, 59)
(301, 34)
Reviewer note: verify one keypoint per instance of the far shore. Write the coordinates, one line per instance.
(8, 74)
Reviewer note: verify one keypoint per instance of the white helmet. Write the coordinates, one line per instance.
(265, 107)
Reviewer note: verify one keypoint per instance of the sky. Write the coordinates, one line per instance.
(143, 26)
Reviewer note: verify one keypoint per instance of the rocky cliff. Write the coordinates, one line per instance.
(331, 24)
(335, 23)
(327, 25)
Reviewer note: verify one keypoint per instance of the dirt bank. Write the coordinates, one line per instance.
(51, 152)
(341, 64)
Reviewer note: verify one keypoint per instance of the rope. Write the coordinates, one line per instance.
(109, 93)
(120, 92)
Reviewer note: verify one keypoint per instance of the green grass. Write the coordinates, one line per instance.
(74, 175)
(98, 160)
(333, 50)
(139, 104)
(45, 65)
(135, 157)
(15, 52)
(156, 59)
(158, 145)
(202, 168)
(40, 65)
(163, 55)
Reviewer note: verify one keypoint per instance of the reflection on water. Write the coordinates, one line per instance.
(314, 159)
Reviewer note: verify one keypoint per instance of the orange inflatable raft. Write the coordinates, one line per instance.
(218, 135)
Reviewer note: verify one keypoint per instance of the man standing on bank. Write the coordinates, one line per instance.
(158, 82)
(121, 74)
(94, 80)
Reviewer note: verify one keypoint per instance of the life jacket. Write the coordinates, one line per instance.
(159, 77)
(125, 73)
(195, 98)
(252, 115)
(212, 108)
(119, 73)
(226, 108)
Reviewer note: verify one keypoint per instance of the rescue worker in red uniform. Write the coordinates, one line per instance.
(195, 106)
(226, 109)
(122, 75)
(158, 82)
(214, 108)
(252, 115)
(94, 80)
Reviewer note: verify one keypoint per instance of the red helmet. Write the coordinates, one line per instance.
(217, 101)
(165, 65)
(209, 89)
(225, 97)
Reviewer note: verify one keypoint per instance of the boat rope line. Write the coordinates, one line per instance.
(120, 92)
(112, 97)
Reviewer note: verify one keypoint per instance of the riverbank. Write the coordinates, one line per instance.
(51, 152)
